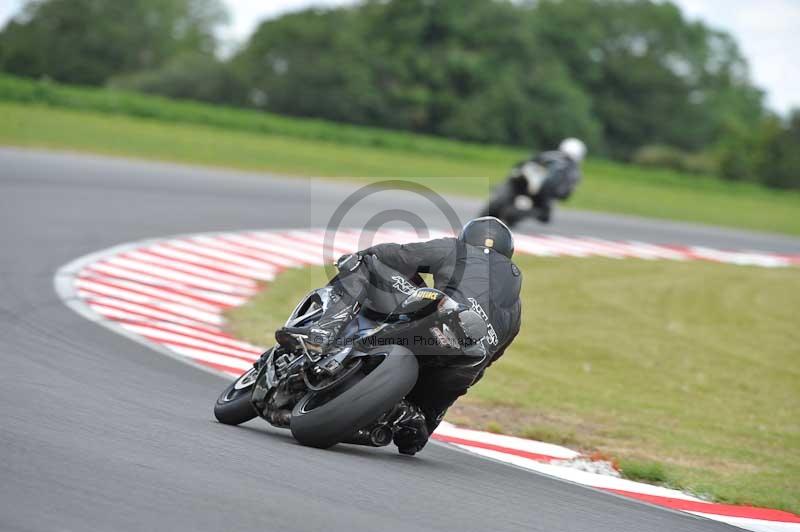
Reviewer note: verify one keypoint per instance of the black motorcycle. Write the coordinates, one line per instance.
(354, 394)
(531, 192)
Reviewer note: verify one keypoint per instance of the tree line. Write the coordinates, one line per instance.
(635, 78)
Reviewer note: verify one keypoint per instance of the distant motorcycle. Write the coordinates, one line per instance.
(353, 394)
(535, 184)
(528, 194)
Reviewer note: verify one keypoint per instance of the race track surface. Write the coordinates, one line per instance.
(100, 433)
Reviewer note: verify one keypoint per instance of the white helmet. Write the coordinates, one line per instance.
(574, 148)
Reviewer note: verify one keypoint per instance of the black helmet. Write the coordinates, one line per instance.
(488, 232)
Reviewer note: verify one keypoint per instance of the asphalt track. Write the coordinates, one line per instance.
(99, 433)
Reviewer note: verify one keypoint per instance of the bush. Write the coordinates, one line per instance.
(768, 153)
(740, 153)
(659, 156)
(701, 163)
(189, 76)
(662, 156)
(780, 166)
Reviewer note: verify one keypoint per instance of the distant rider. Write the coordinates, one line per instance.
(474, 269)
(532, 185)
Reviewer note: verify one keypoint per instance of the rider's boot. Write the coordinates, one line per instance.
(411, 432)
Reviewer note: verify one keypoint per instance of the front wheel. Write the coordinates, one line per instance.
(233, 405)
(501, 206)
(323, 419)
(491, 209)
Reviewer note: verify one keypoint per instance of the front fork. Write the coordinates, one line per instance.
(261, 394)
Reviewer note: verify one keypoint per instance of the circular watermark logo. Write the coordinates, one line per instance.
(383, 276)
(388, 273)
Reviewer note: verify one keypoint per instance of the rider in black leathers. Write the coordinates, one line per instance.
(474, 269)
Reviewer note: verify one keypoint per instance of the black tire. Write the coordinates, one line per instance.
(233, 406)
(356, 403)
(495, 208)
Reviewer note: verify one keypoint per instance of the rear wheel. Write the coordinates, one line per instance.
(323, 419)
(233, 406)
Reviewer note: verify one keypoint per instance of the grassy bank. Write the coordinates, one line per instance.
(688, 376)
(116, 102)
(117, 123)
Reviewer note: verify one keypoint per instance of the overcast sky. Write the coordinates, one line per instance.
(768, 32)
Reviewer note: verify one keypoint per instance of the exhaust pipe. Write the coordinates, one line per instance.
(376, 436)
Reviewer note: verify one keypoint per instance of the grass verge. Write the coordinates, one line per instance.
(116, 123)
(686, 373)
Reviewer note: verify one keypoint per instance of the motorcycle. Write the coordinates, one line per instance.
(529, 194)
(355, 394)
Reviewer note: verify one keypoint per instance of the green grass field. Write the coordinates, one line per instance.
(684, 372)
(115, 123)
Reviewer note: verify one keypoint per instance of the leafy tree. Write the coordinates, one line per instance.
(768, 152)
(622, 74)
(310, 63)
(88, 41)
(467, 69)
(472, 69)
(780, 165)
(653, 76)
(741, 150)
